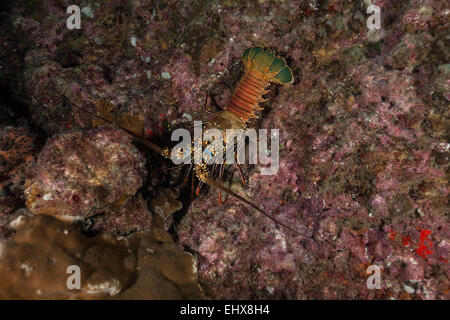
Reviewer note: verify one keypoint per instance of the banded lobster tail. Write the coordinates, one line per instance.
(262, 67)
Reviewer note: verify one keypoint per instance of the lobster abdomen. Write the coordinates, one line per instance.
(247, 96)
(261, 68)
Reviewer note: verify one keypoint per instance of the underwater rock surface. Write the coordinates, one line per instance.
(364, 139)
(18, 149)
(81, 172)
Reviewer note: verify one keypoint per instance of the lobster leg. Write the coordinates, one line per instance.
(211, 105)
(241, 174)
(197, 191)
(222, 168)
(185, 180)
(149, 144)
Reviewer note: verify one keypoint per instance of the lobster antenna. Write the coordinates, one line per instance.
(145, 142)
(205, 179)
(214, 184)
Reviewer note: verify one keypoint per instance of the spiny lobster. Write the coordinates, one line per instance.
(262, 67)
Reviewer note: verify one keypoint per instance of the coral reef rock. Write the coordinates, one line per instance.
(81, 172)
(363, 134)
(131, 216)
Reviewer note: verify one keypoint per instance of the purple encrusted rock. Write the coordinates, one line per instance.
(82, 172)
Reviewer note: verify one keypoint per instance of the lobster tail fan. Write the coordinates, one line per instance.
(284, 77)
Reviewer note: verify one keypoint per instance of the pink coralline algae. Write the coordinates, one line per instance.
(124, 218)
(79, 173)
(364, 139)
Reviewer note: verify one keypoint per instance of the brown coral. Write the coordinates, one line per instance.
(148, 265)
(34, 263)
(165, 272)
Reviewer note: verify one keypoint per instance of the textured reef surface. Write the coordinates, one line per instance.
(364, 149)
